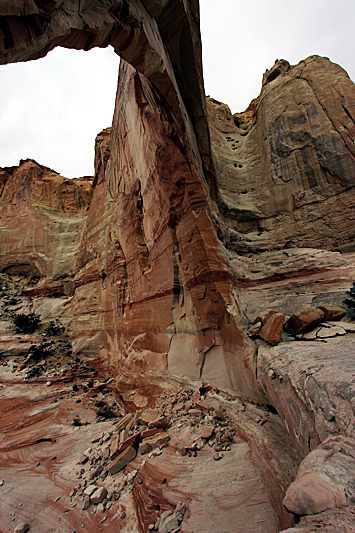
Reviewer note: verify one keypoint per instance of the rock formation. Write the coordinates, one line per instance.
(286, 166)
(43, 217)
(197, 225)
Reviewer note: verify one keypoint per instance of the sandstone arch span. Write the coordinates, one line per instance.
(159, 38)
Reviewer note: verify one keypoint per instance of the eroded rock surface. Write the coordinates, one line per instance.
(43, 216)
(161, 277)
(325, 479)
(286, 166)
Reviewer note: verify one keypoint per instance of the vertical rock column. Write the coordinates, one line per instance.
(169, 301)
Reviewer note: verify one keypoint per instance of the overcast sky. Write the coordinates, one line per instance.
(51, 109)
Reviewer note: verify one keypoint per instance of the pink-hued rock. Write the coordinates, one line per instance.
(325, 478)
(332, 521)
(312, 390)
(310, 494)
(42, 216)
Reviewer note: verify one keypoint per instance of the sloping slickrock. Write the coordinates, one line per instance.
(332, 521)
(325, 478)
(331, 331)
(226, 495)
(312, 388)
(348, 326)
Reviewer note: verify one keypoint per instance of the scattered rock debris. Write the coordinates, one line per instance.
(310, 323)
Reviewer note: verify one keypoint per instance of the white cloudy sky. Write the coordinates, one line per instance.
(51, 109)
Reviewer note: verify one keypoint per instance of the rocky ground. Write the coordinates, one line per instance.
(95, 449)
(196, 456)
(94, 452)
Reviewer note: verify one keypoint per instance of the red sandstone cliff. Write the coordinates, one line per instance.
(42, 219)
(182, 244)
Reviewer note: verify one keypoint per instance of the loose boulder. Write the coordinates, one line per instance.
(272, 329)
(304, 320)
(332, 312)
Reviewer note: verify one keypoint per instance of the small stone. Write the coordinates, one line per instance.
(86, 503)
(254, 330)
(57, 499)
(123, 515)
(48, 383)
(97, 471)
(216, 456)
(207, 432)
(181, 449)
(218, 413)
(22, 528)
(90, 490)
(145, 448)
(161, 422)
(99, 495)
(100, 508)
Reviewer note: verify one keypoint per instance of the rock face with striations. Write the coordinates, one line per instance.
(164, 294)
(286, 166)
(43, 216)
(178, 243)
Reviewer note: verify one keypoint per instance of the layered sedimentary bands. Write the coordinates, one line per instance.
(197, 224)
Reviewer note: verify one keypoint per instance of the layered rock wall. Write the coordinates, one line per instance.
(43, 216)
(286, 166)
(164, 295)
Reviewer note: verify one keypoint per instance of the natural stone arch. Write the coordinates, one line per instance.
(159, 38)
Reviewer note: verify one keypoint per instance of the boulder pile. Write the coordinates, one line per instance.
(310, 323)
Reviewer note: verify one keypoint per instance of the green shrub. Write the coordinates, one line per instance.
(27, 323)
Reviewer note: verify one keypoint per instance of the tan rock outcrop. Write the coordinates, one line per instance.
(286, 167)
